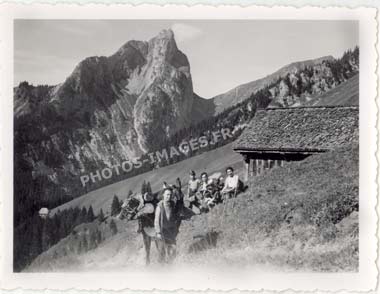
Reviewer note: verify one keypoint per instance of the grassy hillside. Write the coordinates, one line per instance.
(301, 217)
(212, 161)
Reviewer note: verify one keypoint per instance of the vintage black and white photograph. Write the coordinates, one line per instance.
(156, 145)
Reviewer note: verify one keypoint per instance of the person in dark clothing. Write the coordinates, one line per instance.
(166, 225)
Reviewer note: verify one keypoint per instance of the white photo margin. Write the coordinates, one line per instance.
(364, 280)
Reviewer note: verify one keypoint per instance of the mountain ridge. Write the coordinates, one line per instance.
(223, 101)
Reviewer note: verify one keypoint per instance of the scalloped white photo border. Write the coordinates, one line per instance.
(364, 280)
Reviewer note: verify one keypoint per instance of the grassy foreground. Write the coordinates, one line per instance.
(303, 216)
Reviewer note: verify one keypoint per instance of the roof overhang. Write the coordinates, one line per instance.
(280, 151)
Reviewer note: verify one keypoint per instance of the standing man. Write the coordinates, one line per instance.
(231, 184)
(166, 225)
(192, 201)
(193, 184)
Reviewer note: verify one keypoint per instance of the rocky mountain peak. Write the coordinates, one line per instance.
(163, 48)
(108, 107)
(166, 34)
(133, 46)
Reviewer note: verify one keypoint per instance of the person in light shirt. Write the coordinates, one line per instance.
(231, 184)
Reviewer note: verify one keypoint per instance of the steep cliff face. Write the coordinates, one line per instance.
(168, 93)
(105, 112)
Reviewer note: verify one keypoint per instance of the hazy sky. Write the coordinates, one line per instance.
(222, 53)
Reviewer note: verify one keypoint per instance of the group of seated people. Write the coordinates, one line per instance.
(204, 193)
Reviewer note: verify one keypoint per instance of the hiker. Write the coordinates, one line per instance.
(166, 225)
(193, 184)
(231, 184)
(191, 200)
(206, 192)
(177, 195)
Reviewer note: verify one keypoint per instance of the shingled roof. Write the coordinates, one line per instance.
(300, 129)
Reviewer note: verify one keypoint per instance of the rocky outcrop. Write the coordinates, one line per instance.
(306, 86)
(244, 91)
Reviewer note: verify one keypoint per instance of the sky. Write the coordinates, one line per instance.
(222, 53)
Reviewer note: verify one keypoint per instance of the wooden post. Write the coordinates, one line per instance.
(249, 168)
(261, 165)
(258, 166)
(247, 161)
(254, 167)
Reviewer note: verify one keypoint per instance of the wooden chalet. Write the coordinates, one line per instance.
(276, 135)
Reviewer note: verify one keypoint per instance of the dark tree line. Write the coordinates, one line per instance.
(344, 67)
(38, 235)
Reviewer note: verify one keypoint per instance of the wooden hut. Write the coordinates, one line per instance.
(277, 135)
